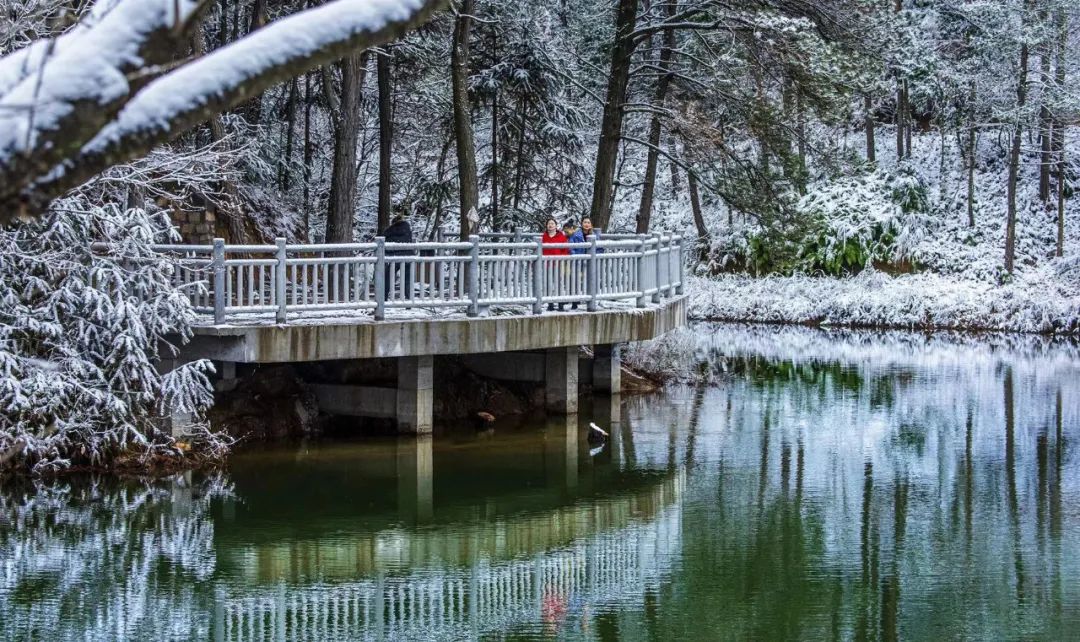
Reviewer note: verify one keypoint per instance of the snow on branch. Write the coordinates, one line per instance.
(62, 93)
(115, 128)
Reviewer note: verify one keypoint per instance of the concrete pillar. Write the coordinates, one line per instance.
(561, 380)
(561, 437)
(226, 381)
(174, 422)
(607, 411)
(607, 368)
(415, 394)
(414, 479)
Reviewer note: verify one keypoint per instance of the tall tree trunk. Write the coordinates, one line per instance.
(699, 219)
(285, 177)
(907, 120)
(466, 150)
(496, 223)
(519, 172)
(223, 23)
(386, 136)
(1061, 29)
(611, 125)
(1045, 122)
(972, 144)
(342, 210)
(868, 124)
(675, 176)
(308, 152)
(695, 206)
(1014, 152)
(253, 110)
(800, 131)
(659, 100)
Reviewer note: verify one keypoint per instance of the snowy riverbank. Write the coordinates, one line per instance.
(1046, 300)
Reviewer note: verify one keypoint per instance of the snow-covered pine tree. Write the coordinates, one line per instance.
(82, 327)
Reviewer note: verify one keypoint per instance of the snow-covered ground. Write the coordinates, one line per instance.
(960, 282)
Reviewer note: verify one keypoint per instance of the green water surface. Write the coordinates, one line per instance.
(826, 486)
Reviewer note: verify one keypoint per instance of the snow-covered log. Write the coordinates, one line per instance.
(83, 109)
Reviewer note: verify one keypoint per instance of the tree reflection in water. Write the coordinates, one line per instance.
(832, 486)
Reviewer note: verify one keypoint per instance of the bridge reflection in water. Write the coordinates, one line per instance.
(522, 530)
(454, 603)
(568, 534)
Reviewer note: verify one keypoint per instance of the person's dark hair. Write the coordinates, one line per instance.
(569, 223)
(586, 218)
(549, 220)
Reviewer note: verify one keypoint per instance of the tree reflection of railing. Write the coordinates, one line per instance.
(453, 603)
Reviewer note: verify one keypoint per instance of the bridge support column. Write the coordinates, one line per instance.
(414, 479)
(561, 452)
(561, 380)
(226, 381)
(607, 368)
(415, 394)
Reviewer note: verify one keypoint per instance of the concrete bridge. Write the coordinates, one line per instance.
(488, 296)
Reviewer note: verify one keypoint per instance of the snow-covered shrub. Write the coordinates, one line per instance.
(877, 218)
(81, 328)
(840, 227)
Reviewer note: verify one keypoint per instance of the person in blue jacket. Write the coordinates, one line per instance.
(574, 235)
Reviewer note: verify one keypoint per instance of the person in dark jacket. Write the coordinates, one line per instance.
(399, 231)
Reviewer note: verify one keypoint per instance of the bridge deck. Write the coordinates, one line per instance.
(342, 337)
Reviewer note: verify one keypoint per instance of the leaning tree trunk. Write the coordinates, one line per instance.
(611, 126)
(662, 82)
(468, 190)
(1014, 153)
(386, 134)
(339, 218)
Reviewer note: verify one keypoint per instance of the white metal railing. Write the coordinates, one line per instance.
(245, 282)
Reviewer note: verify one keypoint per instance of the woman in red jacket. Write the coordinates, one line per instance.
(552, 234)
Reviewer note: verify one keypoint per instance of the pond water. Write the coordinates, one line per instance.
(829, 485)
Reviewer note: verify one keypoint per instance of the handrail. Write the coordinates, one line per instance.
(247, 283)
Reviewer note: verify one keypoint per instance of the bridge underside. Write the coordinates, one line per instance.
(552, 339)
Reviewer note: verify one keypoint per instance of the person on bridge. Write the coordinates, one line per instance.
(588, 232)
(399, 231)
(553, 236)
(577, 269)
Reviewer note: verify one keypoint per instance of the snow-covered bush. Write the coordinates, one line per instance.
(81, 329)
(839, 228)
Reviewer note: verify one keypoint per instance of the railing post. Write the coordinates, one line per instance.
(642, 272)
(380, 278)
(219, 280)
(538, 278)
(659, 287)
(680, 266)
(517, 234)
(474, 276)
(591, 280)
(280, 274)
